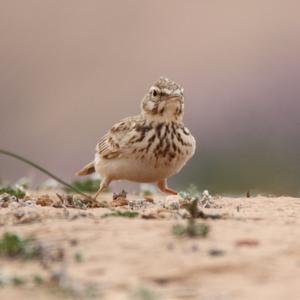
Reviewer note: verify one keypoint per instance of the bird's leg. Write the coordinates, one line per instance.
(162, 185)
(103, 186)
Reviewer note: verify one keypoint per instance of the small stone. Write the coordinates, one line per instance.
(44, 200)
(216, 252)
(14, 205)
(73, 242)
(247, 243)
(183, 213)
(6, 200)
(149, 199)
(195, 248)
(23, 217)
(123, 194)
(150, 214)
(139, 203)
(160, 202)
(170, 246)
(172, 203)
(120, 201)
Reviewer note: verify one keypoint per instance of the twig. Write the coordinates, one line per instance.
(43, 170)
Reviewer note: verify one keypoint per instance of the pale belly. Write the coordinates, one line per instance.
(136, 170)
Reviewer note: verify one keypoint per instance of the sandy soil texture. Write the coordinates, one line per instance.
(252, 251)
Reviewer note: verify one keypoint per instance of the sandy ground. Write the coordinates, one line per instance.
(252, 252)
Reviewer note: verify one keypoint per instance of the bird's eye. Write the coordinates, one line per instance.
(154, 93)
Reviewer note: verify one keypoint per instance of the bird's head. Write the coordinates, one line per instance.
(164, 101)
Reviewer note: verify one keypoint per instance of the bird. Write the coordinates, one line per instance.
(149, 147)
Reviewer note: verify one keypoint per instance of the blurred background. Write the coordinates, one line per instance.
(71, 69)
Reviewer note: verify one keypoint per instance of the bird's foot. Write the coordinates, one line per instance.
(170, 191)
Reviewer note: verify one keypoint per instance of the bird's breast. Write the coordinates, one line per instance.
(163, 144)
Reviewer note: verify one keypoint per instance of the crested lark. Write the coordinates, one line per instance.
(149, 147)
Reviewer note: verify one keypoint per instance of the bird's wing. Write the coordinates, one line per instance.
(118, 141)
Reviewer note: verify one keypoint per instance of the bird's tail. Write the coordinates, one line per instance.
(86, 170)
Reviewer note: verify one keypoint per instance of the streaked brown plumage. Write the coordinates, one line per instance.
(149, 147)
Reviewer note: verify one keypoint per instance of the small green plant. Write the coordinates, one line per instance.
(78, 257)
(11, 245)
(143, 293)
(17, 192)
(43, 170)
(119, 213)
(16, 280)
(88, 185)
(192, 208)
(37, 279)
(147, 193)
(192, 228)
(91, 291)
